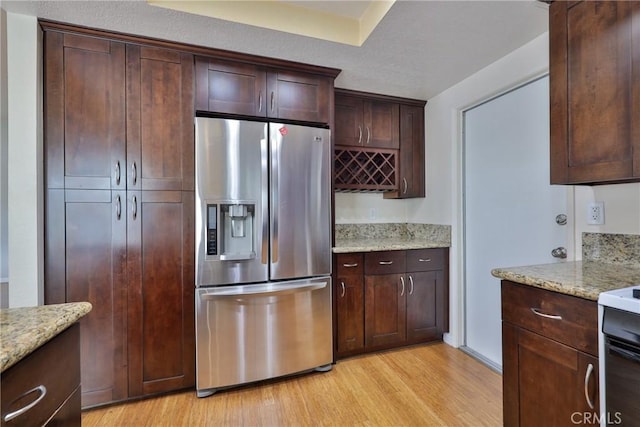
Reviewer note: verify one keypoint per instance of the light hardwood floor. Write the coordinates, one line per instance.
(428, 385)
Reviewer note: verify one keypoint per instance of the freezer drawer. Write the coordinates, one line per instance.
(254, 332)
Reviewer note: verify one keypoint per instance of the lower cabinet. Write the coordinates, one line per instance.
(130, 254)
(50, 377)
(549, 349)
(390, 298)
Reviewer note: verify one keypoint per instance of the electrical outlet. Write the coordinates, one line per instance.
(595, 213)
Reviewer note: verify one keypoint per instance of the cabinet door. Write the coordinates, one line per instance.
(348, 128)
(542, 373)
(412, 159)
(381, 124)
(593, 109)
(385, 310)
(231, 87)
(349, 291)
(425, 305)
(84, 130)
(161, 270)
(85, 253)
(160, 132)
(296, 96)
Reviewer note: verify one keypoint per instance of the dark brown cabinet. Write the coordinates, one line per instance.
(247, 89)
(109, 240)
(549, 357)
(594, 72)
(349, 297)
(50, 377)
(160, 268)
(411, 177)
(364, 121)
(379, 144)
(405, 299)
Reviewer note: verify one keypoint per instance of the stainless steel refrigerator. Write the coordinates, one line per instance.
(263, 251)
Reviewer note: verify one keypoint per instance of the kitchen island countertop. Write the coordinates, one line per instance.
(22, 330)
(584, 279)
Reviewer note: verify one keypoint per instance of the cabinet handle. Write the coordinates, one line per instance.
(424, 259)
(587, 380)
(260, 102)
(402, 283)
(355, 264)
(385, 262)
(134, 173)
(11, 415)
(548, 316)
(118, 172)
(405, 185)
(411, 283)
(272, 101)
(359, 134)
(368, 135)
(134, 208)
(343, 290)
(118, 207)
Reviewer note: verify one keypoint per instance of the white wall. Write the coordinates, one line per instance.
(355, 208)
(25, 160)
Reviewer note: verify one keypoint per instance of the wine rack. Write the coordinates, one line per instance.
(362, 169)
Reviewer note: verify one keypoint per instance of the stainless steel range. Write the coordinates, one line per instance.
(619, 358)
(263, 251)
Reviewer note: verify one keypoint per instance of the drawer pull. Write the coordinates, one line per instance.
(11, 415)
(424, 259)
(385, 262)
(548, 316)
(355, 264)
(587, 378)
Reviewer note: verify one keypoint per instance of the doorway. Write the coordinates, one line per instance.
(509, 205)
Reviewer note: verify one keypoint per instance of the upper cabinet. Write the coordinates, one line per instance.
(366, 121)
(594, 73)
(248, 89)
(379, 144)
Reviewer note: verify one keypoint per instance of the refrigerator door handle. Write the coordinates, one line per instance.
(264, 154)
(275, 182)
(263, 292)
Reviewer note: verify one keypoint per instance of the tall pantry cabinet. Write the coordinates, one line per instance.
(119, 208)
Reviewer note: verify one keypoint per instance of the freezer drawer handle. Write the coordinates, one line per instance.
(263, 293)
(11, 415)
(548, 316)
(355, 264)
(385, 262)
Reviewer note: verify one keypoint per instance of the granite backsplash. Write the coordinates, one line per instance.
(431, 232)
(620, 249)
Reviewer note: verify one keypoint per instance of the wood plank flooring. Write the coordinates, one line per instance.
(428, 385)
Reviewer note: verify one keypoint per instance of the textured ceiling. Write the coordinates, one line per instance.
(419, 49)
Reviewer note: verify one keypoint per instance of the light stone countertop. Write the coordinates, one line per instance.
(22, 330)
(584, 279)
(385, 244)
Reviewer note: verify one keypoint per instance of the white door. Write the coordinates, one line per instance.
(510, 207)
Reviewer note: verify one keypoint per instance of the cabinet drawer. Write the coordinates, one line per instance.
(426, 259)
(56, 366)
(569, 320)
(387, 262)
(349, 264)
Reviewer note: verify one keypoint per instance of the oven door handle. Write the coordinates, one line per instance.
(625, 354)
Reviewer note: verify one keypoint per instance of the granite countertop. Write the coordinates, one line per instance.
(390, 236)
(22, 330)
(585, 279)
(385, 244)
